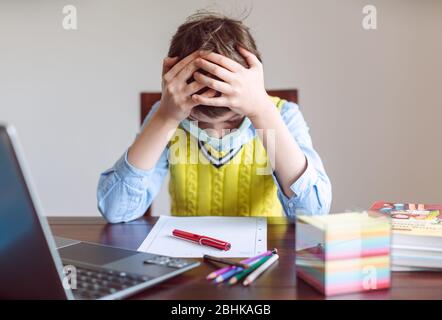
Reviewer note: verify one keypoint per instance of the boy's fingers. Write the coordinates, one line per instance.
(213, 102)
(251, 59)
(212, 83)
(223, 61)
(210, 93)
(168, 63)
(187, 71)
(180, 65)
(193, 87)
(214, 69)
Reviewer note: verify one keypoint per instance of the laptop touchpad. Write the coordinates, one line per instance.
(93, 254)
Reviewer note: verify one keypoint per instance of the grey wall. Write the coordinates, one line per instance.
(372, 98)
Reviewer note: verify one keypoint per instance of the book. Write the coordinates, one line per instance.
(411, 269)
(416, 233)
(416, 260)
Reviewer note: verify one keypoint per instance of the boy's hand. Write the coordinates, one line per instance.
(242, 89)
(176, 102)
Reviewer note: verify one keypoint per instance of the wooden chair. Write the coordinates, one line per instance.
(147, 100)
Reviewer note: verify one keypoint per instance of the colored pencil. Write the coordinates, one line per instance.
(234, 271)
(245, 273)
(227, 275)
(255, 274)
(217, 273)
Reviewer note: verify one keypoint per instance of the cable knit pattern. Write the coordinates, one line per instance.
(269, 201)
(191, 183)
(217, 191)
(244, 180)
(172, 187)
(173, 199)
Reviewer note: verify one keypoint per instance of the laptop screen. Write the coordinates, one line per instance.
(27, 269)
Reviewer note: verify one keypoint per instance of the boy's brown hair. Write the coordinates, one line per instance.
(216, 33)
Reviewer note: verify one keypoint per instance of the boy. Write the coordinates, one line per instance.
(230, 148)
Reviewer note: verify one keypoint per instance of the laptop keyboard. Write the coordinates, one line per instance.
(97, 283)
(167, 261)
(94, 284)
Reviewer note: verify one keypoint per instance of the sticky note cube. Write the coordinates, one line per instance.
(344, 253)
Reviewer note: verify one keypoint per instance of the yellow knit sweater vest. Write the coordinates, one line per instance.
(233, 189)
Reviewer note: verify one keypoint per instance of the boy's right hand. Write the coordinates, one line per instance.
(176, 99)
(176, 104)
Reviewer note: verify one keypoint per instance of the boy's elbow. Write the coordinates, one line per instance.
(117, 212)
(319, 200)
(122, 204)
(112, 220)
(110, 215)
(324, 209)
(324, 193)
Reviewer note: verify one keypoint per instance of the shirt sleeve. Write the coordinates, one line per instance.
(312, 191)
(125, 192)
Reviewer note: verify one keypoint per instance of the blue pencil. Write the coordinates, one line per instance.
(228, 274)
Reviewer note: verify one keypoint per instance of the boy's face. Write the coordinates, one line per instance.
(217, 126)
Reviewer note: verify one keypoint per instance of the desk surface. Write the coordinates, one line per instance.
(279, 282)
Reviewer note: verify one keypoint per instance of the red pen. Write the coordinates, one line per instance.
(202, 240)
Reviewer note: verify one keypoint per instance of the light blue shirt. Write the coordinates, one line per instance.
(125, 192)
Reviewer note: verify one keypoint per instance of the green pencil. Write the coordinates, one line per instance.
(244, 273)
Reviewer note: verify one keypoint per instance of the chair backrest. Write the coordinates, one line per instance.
(148, 99)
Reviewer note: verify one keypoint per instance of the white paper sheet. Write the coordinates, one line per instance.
(248, 236)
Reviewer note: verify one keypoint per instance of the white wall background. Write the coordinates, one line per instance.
(372, 98)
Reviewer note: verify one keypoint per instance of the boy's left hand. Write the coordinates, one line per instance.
(242, 89)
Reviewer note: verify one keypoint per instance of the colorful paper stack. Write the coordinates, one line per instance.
(343, 253)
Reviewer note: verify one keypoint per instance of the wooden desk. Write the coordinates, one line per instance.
(279, 282)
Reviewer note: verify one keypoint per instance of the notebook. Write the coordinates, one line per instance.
(247, 236)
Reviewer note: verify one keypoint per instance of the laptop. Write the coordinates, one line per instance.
(36, 265)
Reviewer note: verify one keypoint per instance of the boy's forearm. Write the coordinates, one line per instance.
(151, 142)
(287, 159)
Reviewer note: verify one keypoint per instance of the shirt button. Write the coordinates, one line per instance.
(291, 205)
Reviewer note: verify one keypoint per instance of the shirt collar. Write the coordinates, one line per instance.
(234, 139)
